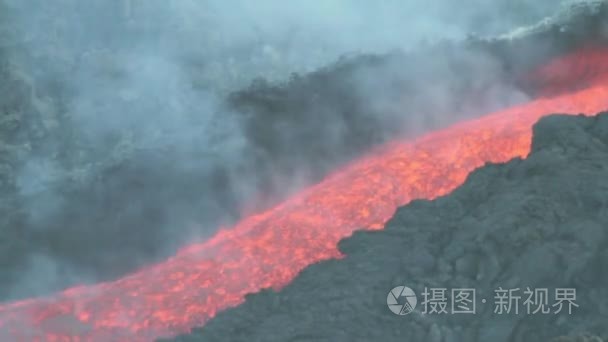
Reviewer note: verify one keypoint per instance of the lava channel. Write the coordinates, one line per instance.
(269, 249)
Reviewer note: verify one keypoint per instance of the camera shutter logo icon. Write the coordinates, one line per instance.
(401, 300)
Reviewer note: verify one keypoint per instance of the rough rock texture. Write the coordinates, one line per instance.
(541, 223)
(98, 210)
(367, 96)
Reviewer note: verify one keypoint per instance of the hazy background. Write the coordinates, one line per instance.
(117, 144)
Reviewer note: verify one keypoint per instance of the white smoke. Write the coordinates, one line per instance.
(149, 77)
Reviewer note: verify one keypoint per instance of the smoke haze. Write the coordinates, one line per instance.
(132, 127)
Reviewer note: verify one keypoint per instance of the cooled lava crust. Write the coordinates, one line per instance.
(269, 249)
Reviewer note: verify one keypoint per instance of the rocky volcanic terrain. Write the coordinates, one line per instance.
(81, 204)
(538, 223)
(75, 209)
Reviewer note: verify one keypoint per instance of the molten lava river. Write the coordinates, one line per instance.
(269, 249)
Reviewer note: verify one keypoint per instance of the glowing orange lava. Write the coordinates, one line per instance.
(269, 249)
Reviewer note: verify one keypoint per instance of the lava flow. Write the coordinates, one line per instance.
(269, 249)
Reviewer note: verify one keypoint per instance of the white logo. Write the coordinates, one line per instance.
(401, 300)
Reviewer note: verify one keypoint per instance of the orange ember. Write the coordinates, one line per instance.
(269, 249)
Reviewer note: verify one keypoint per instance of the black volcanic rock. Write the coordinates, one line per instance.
(540, 223)
(311, 123)
(97, 211)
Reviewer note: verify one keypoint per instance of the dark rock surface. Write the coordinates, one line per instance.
(540, 223)
(314, 122)
(92, 210)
